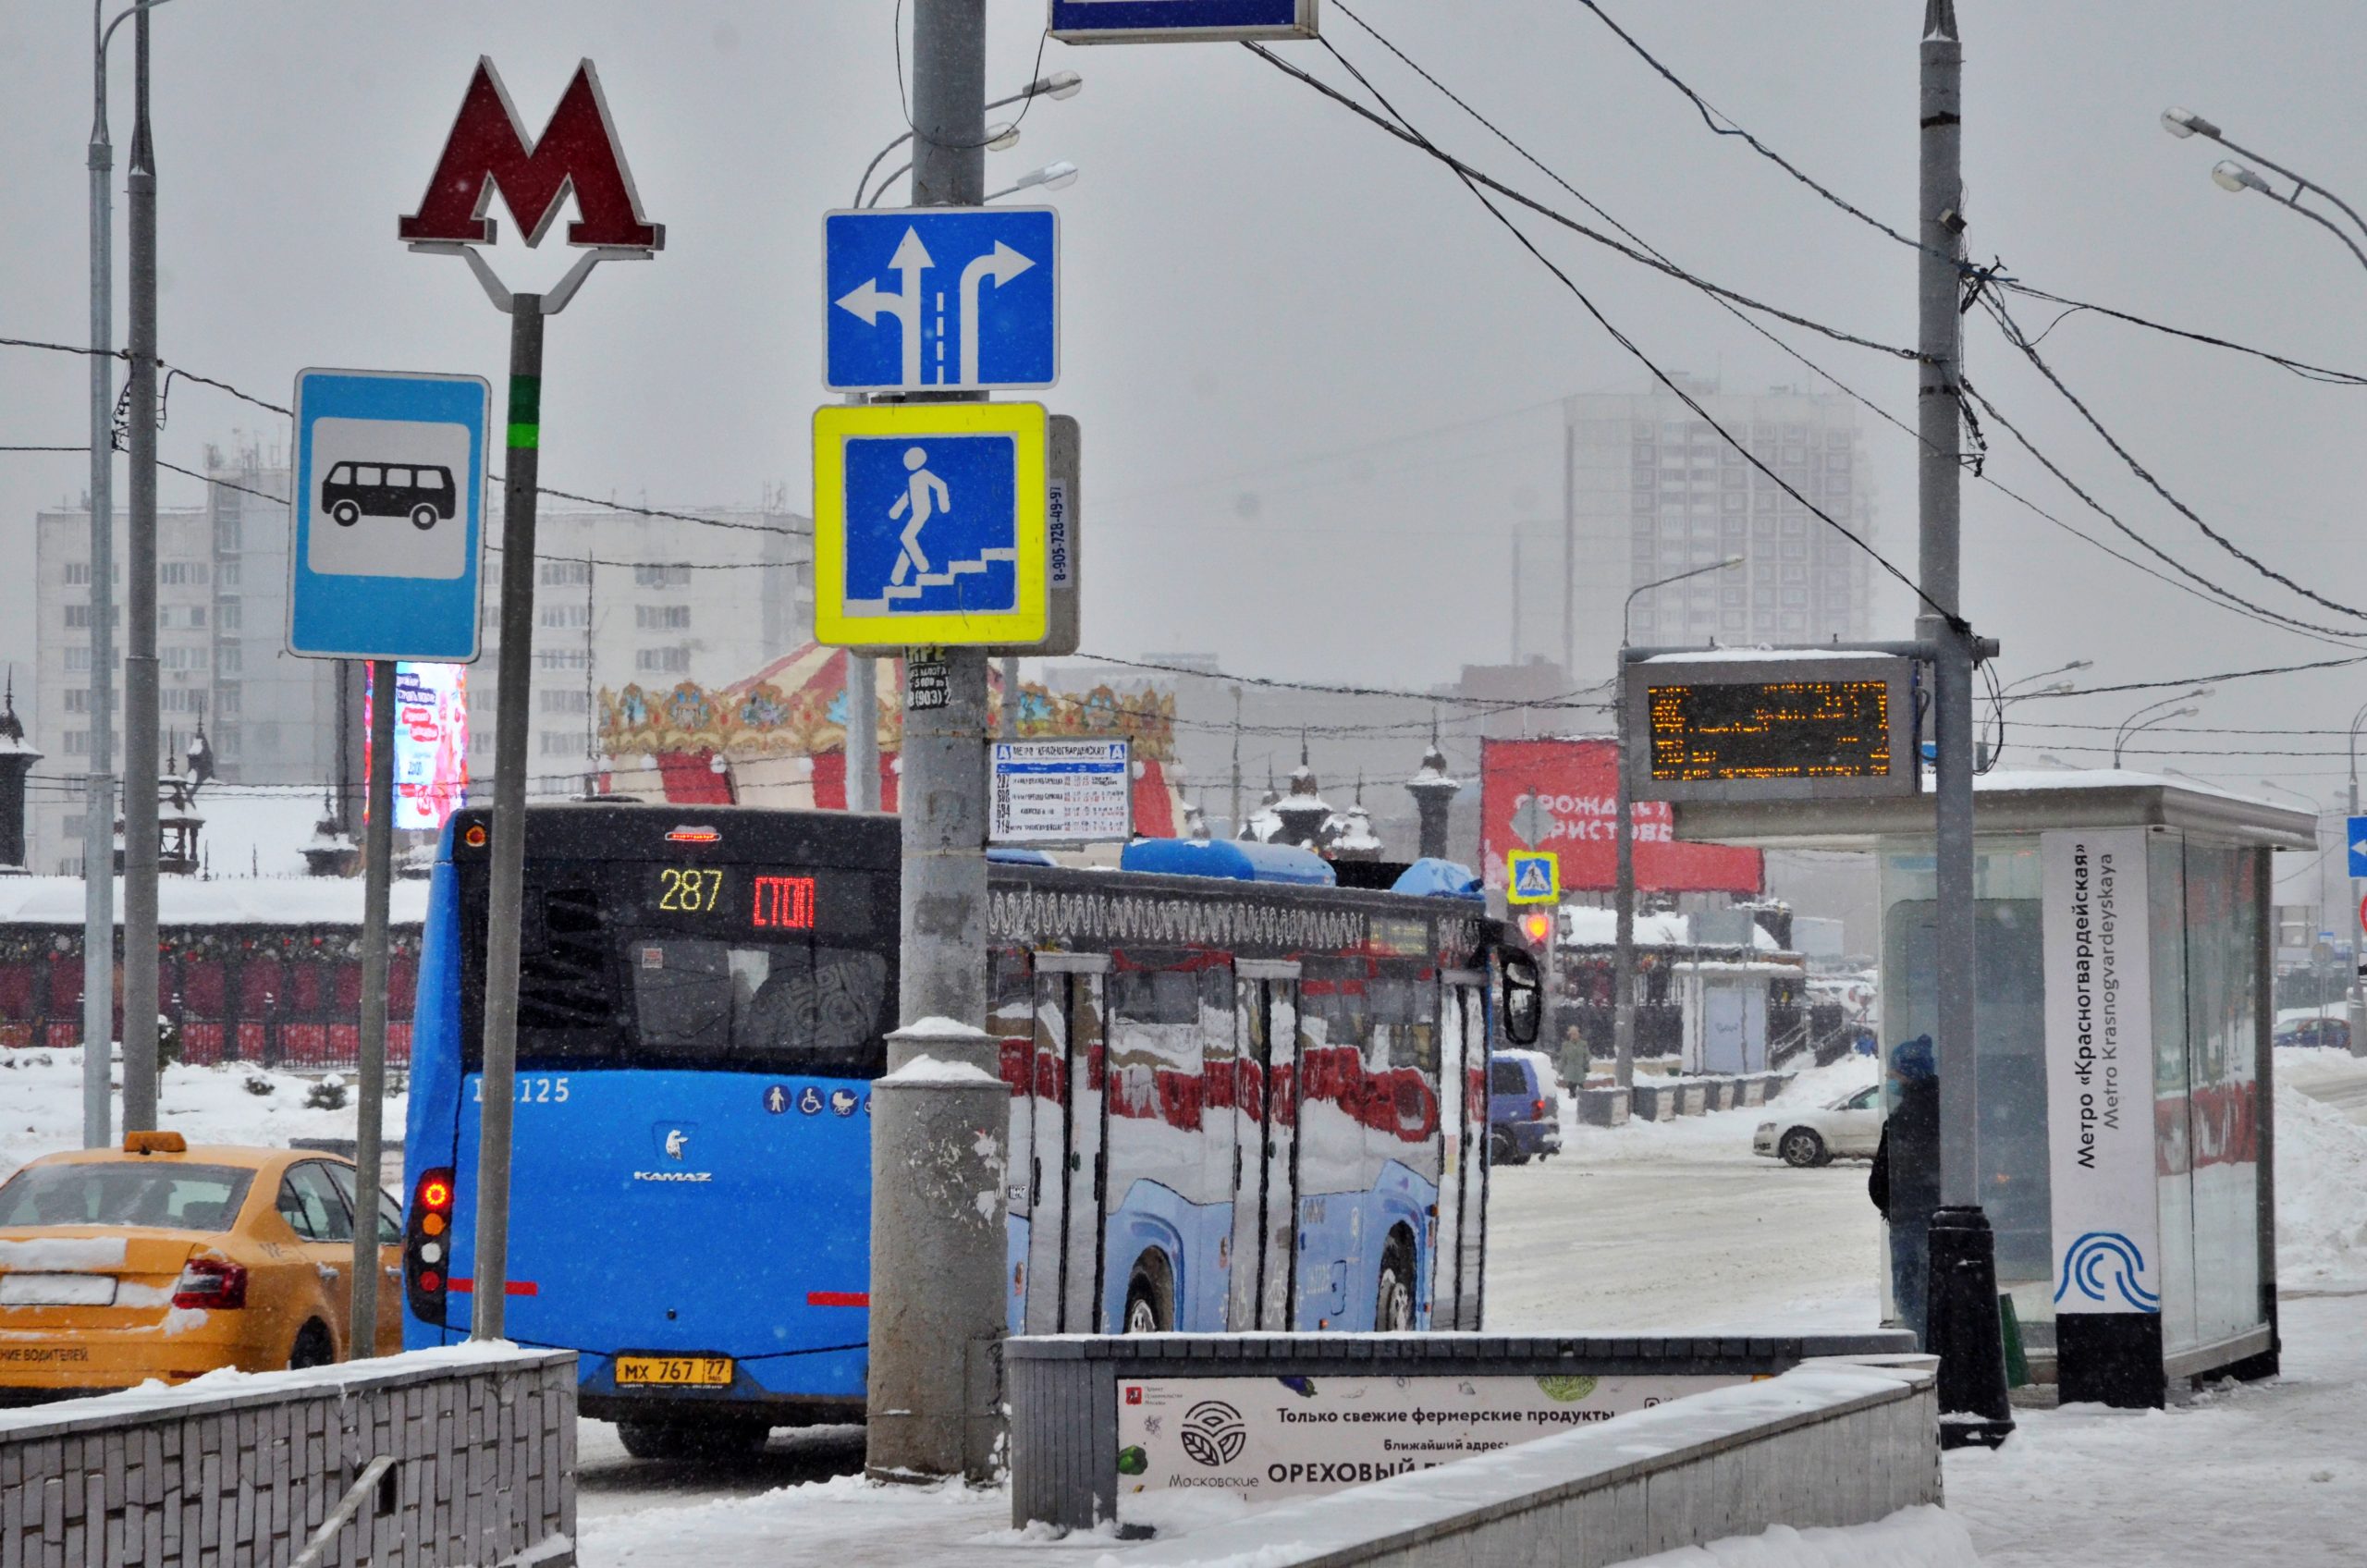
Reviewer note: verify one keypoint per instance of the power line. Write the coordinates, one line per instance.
(1641, 257)
(2195, 680)
(2013, 334)
(1472, 181)
(2256, 611)
(495, 549)
(2270, 617)
(1710, 117)
(1562, 701)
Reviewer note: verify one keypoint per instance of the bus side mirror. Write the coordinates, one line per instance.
(1524, 999)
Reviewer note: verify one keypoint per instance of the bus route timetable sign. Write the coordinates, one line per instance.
(388, 513)
(1060, 792)
(1772, 725)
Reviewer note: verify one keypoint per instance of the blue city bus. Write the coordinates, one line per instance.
(1242, 1099)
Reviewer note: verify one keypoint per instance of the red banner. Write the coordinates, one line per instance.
(1576, 783)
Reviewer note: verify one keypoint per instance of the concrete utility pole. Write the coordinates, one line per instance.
(1007, 722)
(377, 877)
(942, 1115)
(98, 793)
(1962, 1324)
(141, 766)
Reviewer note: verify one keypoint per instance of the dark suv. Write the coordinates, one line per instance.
(1524, 1108)
(422, 492)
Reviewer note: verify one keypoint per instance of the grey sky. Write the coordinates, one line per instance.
(1256, 279)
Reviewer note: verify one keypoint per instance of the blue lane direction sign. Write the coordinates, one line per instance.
(2358, 840)
(390, 515)
(1180, 22)
(941, 296)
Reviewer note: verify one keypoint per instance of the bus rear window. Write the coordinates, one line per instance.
(790, 1005)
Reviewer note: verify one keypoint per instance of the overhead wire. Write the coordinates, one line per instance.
(2232, 601)
(2014, 335)
(1732, 128)
(1472, 180)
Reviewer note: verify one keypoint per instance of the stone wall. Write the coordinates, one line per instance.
(238, 1469)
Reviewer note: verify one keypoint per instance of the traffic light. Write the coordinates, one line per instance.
(1538, 926)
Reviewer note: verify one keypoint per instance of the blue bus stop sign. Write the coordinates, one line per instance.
(388, 507)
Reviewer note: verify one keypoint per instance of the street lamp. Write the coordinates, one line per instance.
(2232, 176)
(1058, 84)
(2132, 725)
(1051, 177)
(2008, 695)
(1000, 139)
(1623, 960)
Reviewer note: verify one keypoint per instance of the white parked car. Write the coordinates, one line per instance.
(1849, 1128)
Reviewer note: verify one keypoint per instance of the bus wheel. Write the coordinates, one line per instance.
(1393, 1310)
(683, 1440)
(1150, 1300)
(346, 513)
(423, 517)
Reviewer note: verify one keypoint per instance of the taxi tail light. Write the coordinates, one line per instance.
(429, 1224)
(211, 1283)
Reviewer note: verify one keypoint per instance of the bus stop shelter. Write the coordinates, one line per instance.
(2124, 943)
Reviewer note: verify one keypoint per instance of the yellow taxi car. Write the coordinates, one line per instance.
(164, 1261)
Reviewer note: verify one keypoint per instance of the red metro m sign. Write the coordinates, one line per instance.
(577, 150)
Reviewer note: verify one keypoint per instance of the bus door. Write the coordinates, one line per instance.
(1068, 1168)
(1455, 1301)
(1265, 1203)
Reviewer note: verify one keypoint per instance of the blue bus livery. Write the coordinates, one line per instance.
(1237, 1102)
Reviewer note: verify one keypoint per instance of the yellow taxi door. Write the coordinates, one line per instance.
(315, 1210)
(390, 1259)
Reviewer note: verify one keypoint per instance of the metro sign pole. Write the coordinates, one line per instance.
(489, 149)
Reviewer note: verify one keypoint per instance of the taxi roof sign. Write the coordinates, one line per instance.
(929, 524)
(1533, 877)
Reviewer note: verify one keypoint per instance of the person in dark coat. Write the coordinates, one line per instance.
(1905, 1183)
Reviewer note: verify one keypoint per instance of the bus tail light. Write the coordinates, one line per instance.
(210, 1284)
(427, 1245)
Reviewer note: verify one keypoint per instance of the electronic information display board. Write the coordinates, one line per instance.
(1818, 725)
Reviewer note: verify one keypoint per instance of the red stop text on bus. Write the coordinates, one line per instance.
(783, 903)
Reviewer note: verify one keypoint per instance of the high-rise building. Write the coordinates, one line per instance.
(620, 597)
(1654, 491)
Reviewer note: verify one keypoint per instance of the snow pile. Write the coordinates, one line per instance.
(41, 1105)
(1913, 1538)
(845, 1519)
(1713, 1134)
(2321, 1195)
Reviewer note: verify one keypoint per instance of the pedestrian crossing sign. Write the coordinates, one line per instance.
(1534, 876)
(929, 524)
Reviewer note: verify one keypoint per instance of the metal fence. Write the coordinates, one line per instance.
(278, 995)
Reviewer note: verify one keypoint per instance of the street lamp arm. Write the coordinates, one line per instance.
(1628, 609)
(2301, 182)
(1060, 84)
(101, 36)
(2328, 224)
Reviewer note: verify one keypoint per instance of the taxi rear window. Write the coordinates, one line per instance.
(176, 1198)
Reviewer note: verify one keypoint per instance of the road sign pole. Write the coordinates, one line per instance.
(377, 877)
(522, 469)
(937, 1314)
(1623, 950)
(1962, 1326)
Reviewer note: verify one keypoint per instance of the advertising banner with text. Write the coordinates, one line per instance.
(431, 742)
(1254, 1440)
(1575, 783)
(2100, 1070)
